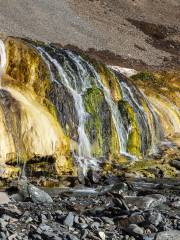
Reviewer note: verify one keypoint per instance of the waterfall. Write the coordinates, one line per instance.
(59, 103)
(116, 115)
(74, 74)
(2, 58)
(76, 87)
(131, 95)
(155, 127)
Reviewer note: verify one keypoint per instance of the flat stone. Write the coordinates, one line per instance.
(3, 236)
(72, 237)
(4, 198)
(168, 235)
(135, 229)
(146, 202)
(108, 220)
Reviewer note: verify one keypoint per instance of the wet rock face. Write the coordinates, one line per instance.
(66, 112)
(99, 121)
(11, 115)
(59, 103)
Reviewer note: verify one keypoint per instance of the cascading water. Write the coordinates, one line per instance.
(56, 102)
(130, 95)
(74, 74)
(2, 58)
(117, 118)
(76, 87)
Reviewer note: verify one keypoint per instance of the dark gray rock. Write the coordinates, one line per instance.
(12, 211)
(36, 237)
(43, 228)
(175, 163)
(23, 188)
(50, 236)
(17, 197)
(39, 196)
(72, 237)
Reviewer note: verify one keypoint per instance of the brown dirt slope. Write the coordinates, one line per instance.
(133, 33)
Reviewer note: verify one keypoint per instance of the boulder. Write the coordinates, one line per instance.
(38, 196)
(30, 191)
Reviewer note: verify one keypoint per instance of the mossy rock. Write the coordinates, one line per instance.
(93, 101)
(144, 167)
(144, 76)
(134, 138)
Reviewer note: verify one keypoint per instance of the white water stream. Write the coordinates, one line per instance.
(84, 157)
(2, 59)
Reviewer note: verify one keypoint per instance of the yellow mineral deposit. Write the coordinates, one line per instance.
(46, 90)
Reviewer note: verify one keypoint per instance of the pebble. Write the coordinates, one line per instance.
(102, 235)
(176, 204)
(96, 217)
(69, 220)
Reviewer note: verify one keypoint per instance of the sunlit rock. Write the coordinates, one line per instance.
(61, 105)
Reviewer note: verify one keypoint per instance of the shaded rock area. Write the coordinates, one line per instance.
(115, 208)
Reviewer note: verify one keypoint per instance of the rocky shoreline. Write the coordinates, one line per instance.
(116, 208)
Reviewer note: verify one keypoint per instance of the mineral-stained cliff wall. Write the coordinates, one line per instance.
(60, 105)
